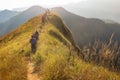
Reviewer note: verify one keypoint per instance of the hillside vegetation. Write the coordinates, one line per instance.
(87, 30)
(55, 58)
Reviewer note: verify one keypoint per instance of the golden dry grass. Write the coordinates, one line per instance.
(52, 59)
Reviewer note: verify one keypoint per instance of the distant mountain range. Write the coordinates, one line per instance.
(102, 9)
(6, 15)
(109, 21)
(86, 30)
(20, 9)
(19, 19)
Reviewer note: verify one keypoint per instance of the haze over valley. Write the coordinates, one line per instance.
(59, 40)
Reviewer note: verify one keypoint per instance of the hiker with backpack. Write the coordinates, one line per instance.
(33, 43)
(36, 35)
(44, 18)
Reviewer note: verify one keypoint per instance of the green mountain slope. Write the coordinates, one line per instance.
(56, 56)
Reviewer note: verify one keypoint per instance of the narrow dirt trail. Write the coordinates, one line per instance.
(31, 75)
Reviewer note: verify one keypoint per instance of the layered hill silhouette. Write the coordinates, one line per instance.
(19, 19)
(6, 15)
(90, 9)
(56, 56)
(109, 21)
(20, 9)
(87, 30)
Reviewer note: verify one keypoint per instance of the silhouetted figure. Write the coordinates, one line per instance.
(48, 11)
(33, 42)
(36, 35)
(44, 17)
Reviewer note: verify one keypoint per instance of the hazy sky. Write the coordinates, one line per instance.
(9, 4)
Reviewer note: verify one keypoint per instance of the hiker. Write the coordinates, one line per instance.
(44, 18)
(48, 12)
(33, 44)
(36, 35)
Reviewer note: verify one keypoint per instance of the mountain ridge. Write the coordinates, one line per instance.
(76, 24)
(89, 9)
(18, 20)
(87, 30)
(7, 14)
(55, 58)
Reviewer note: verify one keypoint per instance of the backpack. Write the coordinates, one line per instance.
(33, 41)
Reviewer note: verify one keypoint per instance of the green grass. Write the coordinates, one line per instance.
(12, 67)
(55, 58)
(14, 47)
(56, 63)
